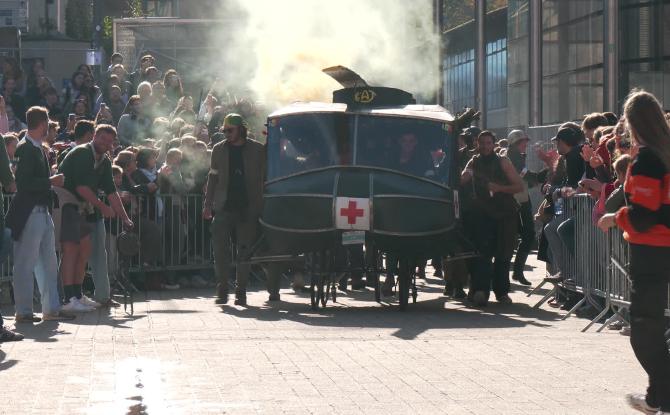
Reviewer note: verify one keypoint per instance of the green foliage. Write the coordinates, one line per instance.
(79, 19)
(135, 8)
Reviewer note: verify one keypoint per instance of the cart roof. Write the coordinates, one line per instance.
(426, 112)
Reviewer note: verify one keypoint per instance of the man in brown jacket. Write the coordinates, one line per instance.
(234, 199)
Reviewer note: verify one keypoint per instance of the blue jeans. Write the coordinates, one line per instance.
(98, 262)
(35, 253)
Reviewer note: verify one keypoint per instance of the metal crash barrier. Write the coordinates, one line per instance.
(597, 269)
(171, 232)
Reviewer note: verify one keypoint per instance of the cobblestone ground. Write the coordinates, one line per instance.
(179, 354)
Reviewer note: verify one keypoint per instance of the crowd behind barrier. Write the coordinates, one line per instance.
(597, 270)
(176, 239)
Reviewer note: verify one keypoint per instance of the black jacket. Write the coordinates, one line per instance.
(33, 186)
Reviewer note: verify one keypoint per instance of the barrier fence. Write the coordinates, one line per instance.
(172, 235)
(597, 267)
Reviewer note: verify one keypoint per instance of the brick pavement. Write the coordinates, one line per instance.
(179, 354)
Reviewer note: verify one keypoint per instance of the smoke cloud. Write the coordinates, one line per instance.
(277, 49)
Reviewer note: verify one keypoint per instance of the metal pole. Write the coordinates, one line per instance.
(480, 60)
(535, 17)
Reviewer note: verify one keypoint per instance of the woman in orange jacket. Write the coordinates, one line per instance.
(645, 221)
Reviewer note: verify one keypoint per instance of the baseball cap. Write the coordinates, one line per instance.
(569, 136)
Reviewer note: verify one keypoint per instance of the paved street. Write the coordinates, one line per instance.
(179, 354)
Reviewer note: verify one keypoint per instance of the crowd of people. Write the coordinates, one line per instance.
(98, 149)
(129, 135)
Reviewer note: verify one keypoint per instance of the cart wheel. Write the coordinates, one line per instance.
(324, 291)
(403, 284)
(314, 294)
(376, 280)
(414, 291)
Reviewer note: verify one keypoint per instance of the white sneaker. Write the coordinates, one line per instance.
(89, 302)
(638, 401)
(75, 306)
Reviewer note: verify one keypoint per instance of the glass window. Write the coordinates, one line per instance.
(413, 146)
(307, 141)
(303, 142)
(572, 59)
(459, 57)
(495, 31)
(645, 48)
(518, 63)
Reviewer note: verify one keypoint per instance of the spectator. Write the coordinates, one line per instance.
(137, 77)
(644, 221)
(132, 124)
(174, 89)
(151, 75)
(115, 59)
(568, 141)
(8, 185)
(590, 125)
(12, 70)
(83, 134)
(80, 110)
(11, 141)
(13, 98)
(87, 170)
(124, 84)
(73, 91)
(162, 105)
(13, 123)
(32, 227)
(53, 105)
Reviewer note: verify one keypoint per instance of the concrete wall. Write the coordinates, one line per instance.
(61, 57)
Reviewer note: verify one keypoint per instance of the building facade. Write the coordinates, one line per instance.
(540, 62)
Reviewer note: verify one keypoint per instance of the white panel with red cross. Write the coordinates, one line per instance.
(352, 213)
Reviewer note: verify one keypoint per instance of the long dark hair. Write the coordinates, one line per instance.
(647, 123)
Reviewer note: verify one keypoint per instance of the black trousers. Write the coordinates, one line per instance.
(649, 271)
(491, 269)
(527, 235)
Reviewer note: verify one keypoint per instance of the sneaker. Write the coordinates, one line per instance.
(625, 331)
(638, 401)
(89, 302)
(6, 335)
(26, 318)
(274, 297)
(58, 316)
(221, 295)
(76, 306)
(504, 299)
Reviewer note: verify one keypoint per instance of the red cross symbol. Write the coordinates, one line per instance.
(352, 213)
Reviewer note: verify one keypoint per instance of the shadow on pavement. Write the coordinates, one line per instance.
(6, 364)
(420, 317)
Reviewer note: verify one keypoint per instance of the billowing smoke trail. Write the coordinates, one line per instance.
(277, 49)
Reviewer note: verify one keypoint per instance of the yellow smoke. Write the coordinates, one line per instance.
(280, 47)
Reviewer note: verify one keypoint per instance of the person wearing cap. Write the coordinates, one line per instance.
(518, 144)
(569, 140)
(234, 201)
(494, 210)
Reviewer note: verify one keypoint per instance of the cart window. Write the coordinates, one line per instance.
(412, 146)
(303, 142)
